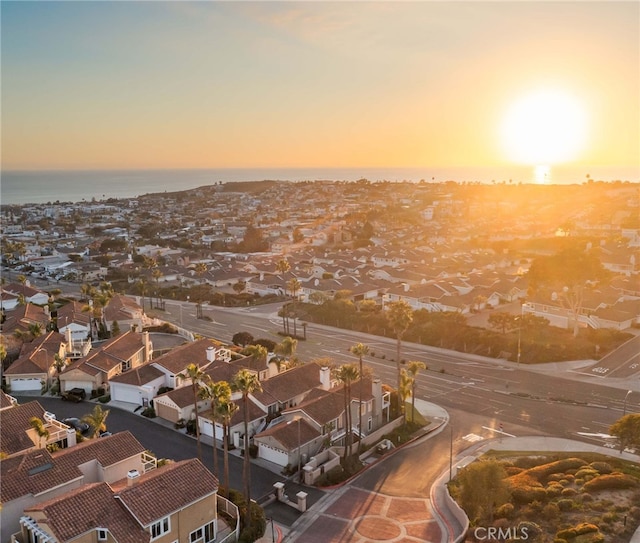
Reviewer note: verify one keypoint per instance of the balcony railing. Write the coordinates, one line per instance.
(149, 462)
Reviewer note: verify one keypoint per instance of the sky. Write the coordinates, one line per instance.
(125, 85)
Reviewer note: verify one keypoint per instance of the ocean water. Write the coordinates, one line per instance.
(22, 187)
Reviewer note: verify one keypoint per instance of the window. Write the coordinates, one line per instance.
(204, 534)
(160, 528)
(102, 534)
(126, 365)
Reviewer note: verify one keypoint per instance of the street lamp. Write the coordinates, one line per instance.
(450, 450)
(520, 333)
(299, 458)
(624, 408)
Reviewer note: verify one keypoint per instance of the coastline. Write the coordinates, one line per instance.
(19, 187)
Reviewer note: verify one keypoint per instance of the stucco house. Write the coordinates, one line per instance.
(34, 369)
(138, 385)
(18, 435)
(126, 312)
(38, 475)
(126, 351)
(122, 511)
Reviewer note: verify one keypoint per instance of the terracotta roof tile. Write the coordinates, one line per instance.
(291, 383)
(138, 376)
(286, 433)
(172, 488)
(179, 358)
(15, 423)
(5, 400)
(33, 473)
(106, 450)
(87, 509)
(323, 407)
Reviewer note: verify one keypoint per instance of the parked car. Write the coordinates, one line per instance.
(74, 395)
(77, 425)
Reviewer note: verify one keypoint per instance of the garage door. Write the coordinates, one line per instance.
(18, 385)
(165, 412)
(124, 393)
(277, 457)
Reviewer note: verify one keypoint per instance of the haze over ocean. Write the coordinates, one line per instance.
(22, 187)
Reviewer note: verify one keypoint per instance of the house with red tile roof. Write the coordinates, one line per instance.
(34, 369)
(18, 435)
(125, 311)
(38, 475)
(183, 508)
(124, 352)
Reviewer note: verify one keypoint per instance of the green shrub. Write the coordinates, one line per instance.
(586, 497)
(569, 533)
(586, 528)
(149, 412)
(612, 481)
(587, 473)
(258, 525)
(554, 490)
(601, 467)
(566, 504)
(505, 511)
(566, 492)
(524, 495)
(551, 511)
(559, 466)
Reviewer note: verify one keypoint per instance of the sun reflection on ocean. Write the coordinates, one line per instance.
(542, 175)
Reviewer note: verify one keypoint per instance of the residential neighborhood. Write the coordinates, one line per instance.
(437, 248)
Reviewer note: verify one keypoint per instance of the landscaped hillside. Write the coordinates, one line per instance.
(556, 498)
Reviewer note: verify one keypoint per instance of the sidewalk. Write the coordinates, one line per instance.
(449, 517)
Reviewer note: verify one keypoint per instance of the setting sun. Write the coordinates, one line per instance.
(544, 127)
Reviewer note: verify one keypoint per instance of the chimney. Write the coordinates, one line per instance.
(325, 378)
(132, 476)
(211, 353)
(148, 346)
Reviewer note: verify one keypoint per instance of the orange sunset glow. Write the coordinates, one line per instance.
(313, 84)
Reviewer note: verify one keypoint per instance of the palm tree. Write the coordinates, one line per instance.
(294, 286)
(258, 352)
(141, 285)
(41, 430)
(200, 269)
(287, 348)
(282, 267)
(413, 368)
(399, 316)
(22, 279)
(246, 382)
(196, 375)
(3, 355)
(225, 410)
(216, 392)
(59, 363)
(360, 350)
(33, 331)
(347, 374)
(406, 384)
(97, 419)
